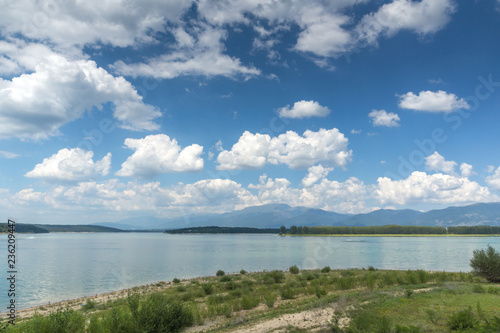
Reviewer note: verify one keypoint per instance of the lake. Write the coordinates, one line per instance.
(60, 266)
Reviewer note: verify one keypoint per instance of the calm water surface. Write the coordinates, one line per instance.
(57, 266)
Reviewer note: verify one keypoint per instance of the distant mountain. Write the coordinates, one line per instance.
(276, 215)
(266, 216)
(471, 215)
(383, 217)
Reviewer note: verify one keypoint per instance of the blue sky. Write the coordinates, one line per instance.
(167, 108)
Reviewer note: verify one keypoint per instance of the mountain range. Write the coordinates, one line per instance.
(276, 215)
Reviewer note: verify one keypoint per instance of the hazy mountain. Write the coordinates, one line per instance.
(476, 214)
(266, 216)
(276, 215)
(383, 217)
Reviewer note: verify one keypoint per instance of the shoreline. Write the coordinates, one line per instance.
(77, 303)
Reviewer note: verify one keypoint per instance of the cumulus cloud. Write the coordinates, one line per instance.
(157, 154)
(436, 162)
(422, 17)
(342, 197)
(439, 101)
(384, 118)
(466, 170)
(298, 152)
(304, 109)
(494, 179)
(59, 90)
(314, 174)
(438, 188)
(204, 196)
(71, 165)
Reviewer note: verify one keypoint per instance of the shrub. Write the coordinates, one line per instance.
(220, 273)
(61, 321)
(294, 269)
(477, 288)
(225, 278)
(371, 268)
(462, 320)
(207, 288)
(89, 305)
(249, 302)
(269, 299)
(158, 314)
(326, 269)
(486, 263)
(423, 276)
(243, 272)
(274, 277)
(176, 280)
(287, 292)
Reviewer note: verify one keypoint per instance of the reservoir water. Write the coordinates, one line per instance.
(60, 266)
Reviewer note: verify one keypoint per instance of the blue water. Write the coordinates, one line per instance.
(58, 266)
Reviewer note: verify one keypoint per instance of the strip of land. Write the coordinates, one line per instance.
(361, 300)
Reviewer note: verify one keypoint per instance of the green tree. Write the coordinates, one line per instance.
(293, 229)
(486, 263)
(282, 229)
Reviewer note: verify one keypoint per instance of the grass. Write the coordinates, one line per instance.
(365, 300)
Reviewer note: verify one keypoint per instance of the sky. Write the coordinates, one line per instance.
(118, 109)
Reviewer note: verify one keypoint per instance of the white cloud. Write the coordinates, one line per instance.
(204, 58)
(255, 150)
(314, 174)
(436, 162)
(439, 101)
(157, 154)
(8, 155)
(304, 109)
(354, 131)
(494, 179)
(71, 165)
(250, 152)
(118, 23)
(466, 170)
(438, 188)
(341, 197)
(422, 17)
(59, 91)
(115, 198)
(384, 118)
(323, 33)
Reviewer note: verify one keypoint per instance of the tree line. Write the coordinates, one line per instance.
(389, 230)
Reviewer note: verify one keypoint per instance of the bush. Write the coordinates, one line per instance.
(294, 269)
(89, 305)
(159, 314)
(61, 321)
(207, 288)
(243, 272)
(486, 263)
(287, 292)
(274, 277)
(220, 273)
(462, 320)
(326, 269)
(176, 280)
(249, 302)
(225, 278)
